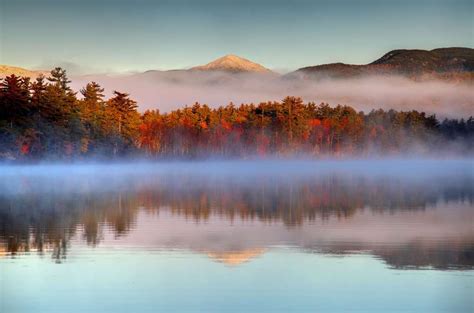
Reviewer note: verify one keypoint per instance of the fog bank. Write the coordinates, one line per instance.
(174, 89)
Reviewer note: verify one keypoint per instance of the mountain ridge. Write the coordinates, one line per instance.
(6, 70)
(457, 62)
(405, 62)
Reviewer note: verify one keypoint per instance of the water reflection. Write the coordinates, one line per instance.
(409, 219)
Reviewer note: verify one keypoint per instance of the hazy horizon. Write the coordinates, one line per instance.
(121, 36)
(167, 93)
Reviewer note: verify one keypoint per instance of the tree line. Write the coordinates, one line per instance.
(46, 119)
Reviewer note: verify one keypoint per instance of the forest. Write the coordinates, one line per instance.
(44, 119)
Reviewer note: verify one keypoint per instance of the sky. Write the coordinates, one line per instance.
(120, 36)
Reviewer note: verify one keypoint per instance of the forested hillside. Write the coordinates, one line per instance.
(45, 119)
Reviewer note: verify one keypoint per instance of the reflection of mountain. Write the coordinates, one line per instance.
(333, 212)
(448, 255)
(3, 250)
(236, 257)
(457, 253)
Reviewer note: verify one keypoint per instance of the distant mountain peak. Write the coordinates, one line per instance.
(7, 70)
(232, 63)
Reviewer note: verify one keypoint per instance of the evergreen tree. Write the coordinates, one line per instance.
(124, 119)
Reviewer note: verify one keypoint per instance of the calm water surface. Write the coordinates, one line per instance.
(250, 236)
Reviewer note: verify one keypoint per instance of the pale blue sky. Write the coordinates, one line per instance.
(97, 36)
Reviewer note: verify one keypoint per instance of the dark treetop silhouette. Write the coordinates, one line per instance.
(45, 119)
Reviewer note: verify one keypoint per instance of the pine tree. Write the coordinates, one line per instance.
(122, 113)
(14, 101)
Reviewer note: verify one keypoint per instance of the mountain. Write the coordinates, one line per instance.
(6, 70)
(232, 63)
(455, 64)
(398, 62)
(229, 69)
(437, 60)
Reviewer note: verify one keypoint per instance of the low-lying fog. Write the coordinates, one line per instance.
(106, 177)
(408, 212)
(174, 89)
(411, 167)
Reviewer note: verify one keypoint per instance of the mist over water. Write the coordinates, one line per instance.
(285, 194)
(243, 224)
(174, 89)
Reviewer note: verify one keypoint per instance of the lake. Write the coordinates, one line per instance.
(238, 236)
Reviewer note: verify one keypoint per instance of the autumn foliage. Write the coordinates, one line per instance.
(46, 119)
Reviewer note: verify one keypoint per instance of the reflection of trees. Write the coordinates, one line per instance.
(41, 220)
(441, 256)
(296, 201)
(415, 254)
(47, 222)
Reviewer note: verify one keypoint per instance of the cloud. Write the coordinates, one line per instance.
(168, 90)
